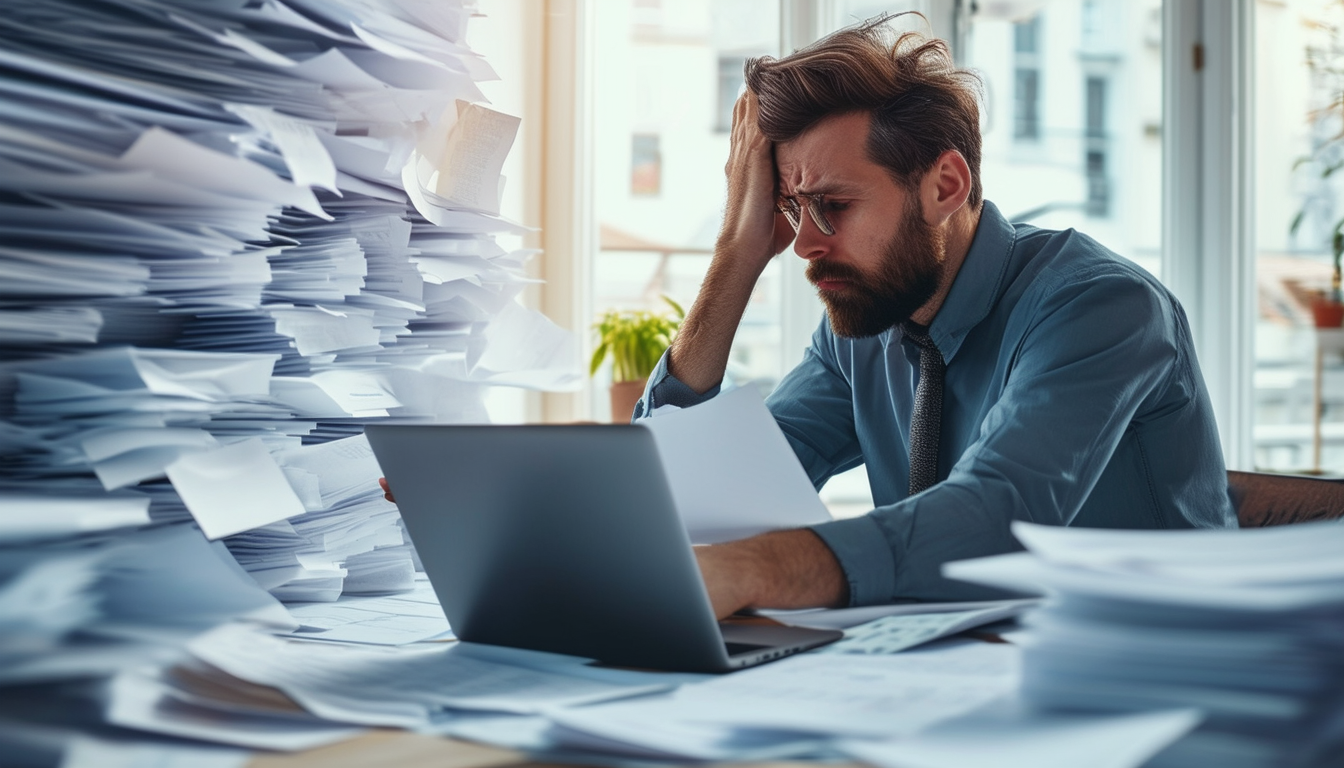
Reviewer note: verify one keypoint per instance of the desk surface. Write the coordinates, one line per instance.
(411, 750)
(399, 748)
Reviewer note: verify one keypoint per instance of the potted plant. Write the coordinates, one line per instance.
(635, 340)
(1327, 307)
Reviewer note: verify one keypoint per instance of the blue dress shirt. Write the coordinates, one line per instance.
(1072, 397)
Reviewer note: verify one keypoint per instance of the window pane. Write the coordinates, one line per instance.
(1026, 105)
(1054, 137)
(1299, 398)
(667, 75)
(1024, 35)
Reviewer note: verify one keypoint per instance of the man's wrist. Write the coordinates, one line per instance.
(793, 569)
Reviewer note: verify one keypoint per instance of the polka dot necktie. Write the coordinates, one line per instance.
(927, 417)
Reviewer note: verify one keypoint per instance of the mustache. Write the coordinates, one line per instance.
(820, 270)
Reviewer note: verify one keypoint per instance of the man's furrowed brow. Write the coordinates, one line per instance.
(835, 189)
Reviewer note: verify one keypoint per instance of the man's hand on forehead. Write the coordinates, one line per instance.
(752, 230)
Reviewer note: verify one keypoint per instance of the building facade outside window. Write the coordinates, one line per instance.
(646, 165)
(1027, 79)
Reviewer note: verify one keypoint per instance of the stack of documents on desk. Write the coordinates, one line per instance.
(269, 692)
(229, 233)
(74, 612)
(396, 619)
(1246, 626)
(349, 539)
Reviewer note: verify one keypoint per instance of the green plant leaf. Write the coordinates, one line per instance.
(634, 340)
(599, 355)
(681, 313)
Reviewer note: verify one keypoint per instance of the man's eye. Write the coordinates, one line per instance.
(835, 205)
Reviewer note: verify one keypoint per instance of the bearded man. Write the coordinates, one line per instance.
(984, 371)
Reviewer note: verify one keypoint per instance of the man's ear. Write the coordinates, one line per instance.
(945, 187)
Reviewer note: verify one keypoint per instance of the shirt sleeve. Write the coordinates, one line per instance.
(1091, 354)
(665, 389)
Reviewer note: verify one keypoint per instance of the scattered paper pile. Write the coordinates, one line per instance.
(348, 540)
(1245, 626)
(76, 611)
(798, 706)
(230, 232)
(267, 692)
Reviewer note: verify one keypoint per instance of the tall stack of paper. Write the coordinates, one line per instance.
(230, 232)
(1245, 625)
(349, 539)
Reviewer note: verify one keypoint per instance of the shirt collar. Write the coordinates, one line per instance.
(978, 283)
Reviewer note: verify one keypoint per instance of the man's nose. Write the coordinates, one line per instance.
(810, 243)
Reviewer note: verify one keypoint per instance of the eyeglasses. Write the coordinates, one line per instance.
(793, 211)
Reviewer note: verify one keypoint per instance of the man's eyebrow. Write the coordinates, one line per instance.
(829, 190)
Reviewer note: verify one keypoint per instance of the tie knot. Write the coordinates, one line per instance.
(919, 334)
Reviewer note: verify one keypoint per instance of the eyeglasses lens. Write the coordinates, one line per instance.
(793, 211)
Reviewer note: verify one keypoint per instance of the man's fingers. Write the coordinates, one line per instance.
(784, 233)
(387, 490)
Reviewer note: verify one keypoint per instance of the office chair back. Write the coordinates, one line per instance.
(1263, 499)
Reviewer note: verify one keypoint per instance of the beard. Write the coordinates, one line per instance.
(905, 279)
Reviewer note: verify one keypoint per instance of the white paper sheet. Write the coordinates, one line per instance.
(90, 752)
(179, 159)
(396, 687)
(787, 707)
(872, 696)
(897, 633)
(659, 728)
(526, 349)
(308, 160)
(234, 488)
(475, 153)
(384, 620)
(138, 699)
(843, 618)
(1283, 554)
(732, 471)
(1008, 736)
(24, 517)
(1021, 571)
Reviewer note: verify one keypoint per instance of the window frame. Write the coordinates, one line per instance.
(1208, 227)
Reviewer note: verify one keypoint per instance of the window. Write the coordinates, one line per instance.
(1053, 161)
(1298, 385)
(731, 83)
(664, 85)
(1027, 79)
(1220, 207)
(1095, 120)
(1097, 141)
(646, 165)
(1026, 103)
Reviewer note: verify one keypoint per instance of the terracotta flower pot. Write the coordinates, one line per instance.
(1327, 313)
(624, 395)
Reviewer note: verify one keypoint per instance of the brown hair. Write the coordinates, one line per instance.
(921, 104)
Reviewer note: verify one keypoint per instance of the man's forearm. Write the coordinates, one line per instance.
(752, 233)
(783, 569)
(699, 355)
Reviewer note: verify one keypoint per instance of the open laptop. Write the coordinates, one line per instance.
(564, 539)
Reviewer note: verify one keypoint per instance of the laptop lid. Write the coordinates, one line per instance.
(561, 538)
